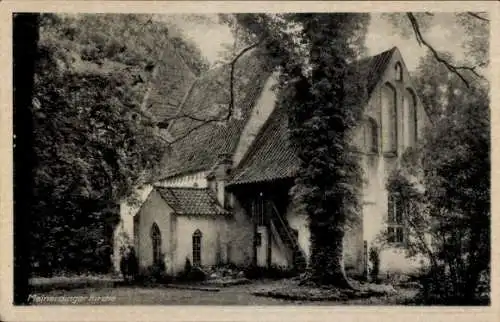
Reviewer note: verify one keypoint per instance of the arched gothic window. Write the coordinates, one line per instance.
(156, 243)
(371, 136)
(197, 248)
(411, 117)
(389, 119)
(398, 71)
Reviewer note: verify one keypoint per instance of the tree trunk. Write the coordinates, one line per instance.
(25, 41)
(327, 258)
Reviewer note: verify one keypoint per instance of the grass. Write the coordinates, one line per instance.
(163, 295)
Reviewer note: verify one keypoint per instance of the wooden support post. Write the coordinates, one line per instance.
(254, 222)
(269, 238)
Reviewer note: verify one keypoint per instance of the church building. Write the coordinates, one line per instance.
(223, 191)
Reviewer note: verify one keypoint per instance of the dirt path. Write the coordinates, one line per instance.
(234, 295)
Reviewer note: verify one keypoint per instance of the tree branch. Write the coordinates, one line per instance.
(191, 130)
(475, 15)
(204, 121)
(231, 79)
(452, 68)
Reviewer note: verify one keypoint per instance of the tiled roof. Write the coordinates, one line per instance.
(372, 68)
(172, 81)
(191, 201)
(272, 155)
(208, 99)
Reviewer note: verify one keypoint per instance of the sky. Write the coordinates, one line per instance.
(381, 36)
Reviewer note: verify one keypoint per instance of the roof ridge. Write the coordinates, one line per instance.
(182, 188)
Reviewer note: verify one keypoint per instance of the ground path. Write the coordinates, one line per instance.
(233, 295)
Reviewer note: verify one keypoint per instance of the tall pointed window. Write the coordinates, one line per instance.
(156, 243)
(411, 117)
(389, 119)
(197, 248)
(371, 136)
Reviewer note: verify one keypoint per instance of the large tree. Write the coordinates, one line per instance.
(447, 207)
(313, 52)
(95, 138)
(25, 40)
(448, 221)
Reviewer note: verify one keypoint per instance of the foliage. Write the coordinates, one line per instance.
(313, 52)
(93, 142)
(129, 265)
(471, 28)
(374, 257)
(155, 274)
(272, 272)
(447, 202)
(187, 266)
(191, 273)
(191, 55)
(24, 42)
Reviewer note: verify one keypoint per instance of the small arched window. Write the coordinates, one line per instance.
(389, 119)
(156, 243)
(398, 70)
(371, 136)
(410, 103)
(197, 248)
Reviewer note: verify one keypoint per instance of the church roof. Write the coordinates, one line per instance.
(372, 68)
(173, 79)
(272, 155)
(191, 201)
(208, 99)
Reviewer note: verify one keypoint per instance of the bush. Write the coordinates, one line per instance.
(439, 287)
(374, 257)
(191, 273)
(187, 266)
(156, 273)
(129, 265)
(196, 274)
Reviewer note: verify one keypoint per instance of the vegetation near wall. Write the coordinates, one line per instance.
(444, 189)
(93, 140)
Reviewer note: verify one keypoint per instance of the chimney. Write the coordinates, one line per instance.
(218, 176)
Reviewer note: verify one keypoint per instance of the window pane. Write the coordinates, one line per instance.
(399, 216)
(399, 235)
(398, 211)
(197, 248)
(390, 209)
(156, 243)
